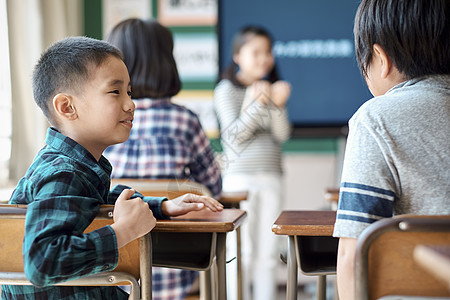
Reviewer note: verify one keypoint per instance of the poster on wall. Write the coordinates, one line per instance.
(187, 12)
(115, 11)
(196, 55)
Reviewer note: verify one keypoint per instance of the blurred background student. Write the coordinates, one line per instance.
(250, 105)
(167, 140)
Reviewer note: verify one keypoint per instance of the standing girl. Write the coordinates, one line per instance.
(250, 105)
(167, 140)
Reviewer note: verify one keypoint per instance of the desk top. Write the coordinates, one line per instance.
(435, 259)
(203, 221)
(305, 223)
(196, 221)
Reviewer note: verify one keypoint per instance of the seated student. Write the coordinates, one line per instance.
(397, 159)
(83, 88)
(167, 140)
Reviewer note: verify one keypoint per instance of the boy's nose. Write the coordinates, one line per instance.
(129, 105)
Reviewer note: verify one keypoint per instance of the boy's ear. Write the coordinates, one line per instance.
(383, 59)
(64, 108)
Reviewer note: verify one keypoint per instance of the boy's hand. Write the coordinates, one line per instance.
(189, 202)
(280, 92)
(132, 218)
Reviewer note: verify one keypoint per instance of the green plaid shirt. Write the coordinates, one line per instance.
(64, 188)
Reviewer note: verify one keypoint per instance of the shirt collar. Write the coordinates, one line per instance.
(72, 149)
(441, 80)
(145, 103)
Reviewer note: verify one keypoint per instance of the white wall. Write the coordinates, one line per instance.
(307, 176)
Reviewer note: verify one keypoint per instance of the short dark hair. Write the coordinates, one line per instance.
(240, 39)
(66, 66)
(147, 48)
(414, 33)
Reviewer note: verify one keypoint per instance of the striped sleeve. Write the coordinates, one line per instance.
(369, 186)
(281, 129)
(359, 206)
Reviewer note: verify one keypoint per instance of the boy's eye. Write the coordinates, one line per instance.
(115, 92)
(129, 93)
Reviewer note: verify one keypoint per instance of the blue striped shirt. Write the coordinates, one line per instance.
(397, 158)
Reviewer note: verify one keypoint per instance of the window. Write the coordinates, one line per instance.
(5, 97)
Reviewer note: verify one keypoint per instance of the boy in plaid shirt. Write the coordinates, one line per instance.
(83, 87)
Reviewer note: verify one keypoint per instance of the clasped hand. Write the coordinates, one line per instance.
(277, 93)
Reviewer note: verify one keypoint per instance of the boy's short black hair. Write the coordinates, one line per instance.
(147, 48)
(414, 33)
(65, 67)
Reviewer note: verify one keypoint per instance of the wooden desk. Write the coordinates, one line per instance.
(435, 259)
(192, 241)
(311, 246)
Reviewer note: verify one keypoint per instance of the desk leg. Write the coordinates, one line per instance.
(322, 287)
(206, 284)
(291, 286)
(221, 265)
(239, 264)
(145, 252)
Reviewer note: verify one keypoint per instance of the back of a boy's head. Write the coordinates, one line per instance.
(415, 34)
(65, 67)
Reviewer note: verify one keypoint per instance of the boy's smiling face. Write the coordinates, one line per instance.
(104, 109)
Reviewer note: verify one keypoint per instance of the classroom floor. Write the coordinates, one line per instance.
(305, 292)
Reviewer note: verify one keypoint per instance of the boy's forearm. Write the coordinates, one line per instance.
(345, 268)
(123, 234)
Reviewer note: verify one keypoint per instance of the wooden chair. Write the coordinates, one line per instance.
(170, 188)
(384, 257)
(332, 195)
(133, 258)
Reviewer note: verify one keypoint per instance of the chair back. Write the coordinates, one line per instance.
(170, 188)
(12, 230)
(384, 257)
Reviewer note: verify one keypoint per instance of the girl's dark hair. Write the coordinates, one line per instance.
(147, 48)
(414, 33)
(66, 66)
(240, 39)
